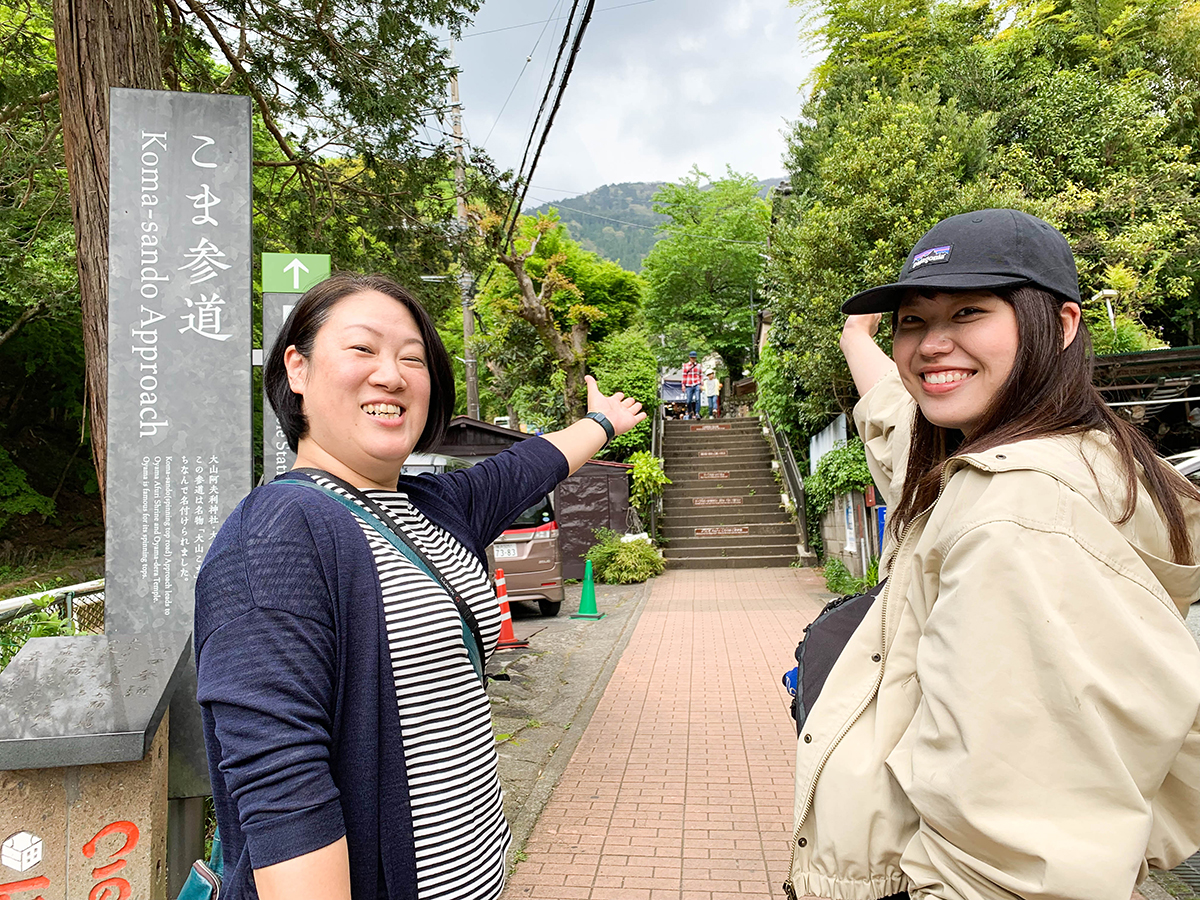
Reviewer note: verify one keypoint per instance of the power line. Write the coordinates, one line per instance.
(520, 75)
(533, 131)
(471, 34)
(562, 88)
(696, 234)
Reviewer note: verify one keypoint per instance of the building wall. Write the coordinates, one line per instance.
(848, 528)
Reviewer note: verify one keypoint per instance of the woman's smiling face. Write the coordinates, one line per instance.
(366, 390)
(955, 352)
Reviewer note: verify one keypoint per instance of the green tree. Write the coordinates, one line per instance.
(1080, 113)
(624, 362)
(703, 274)
(542, 311)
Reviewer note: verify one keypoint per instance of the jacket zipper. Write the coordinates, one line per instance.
(788, 888)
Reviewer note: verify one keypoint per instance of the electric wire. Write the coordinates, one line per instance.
(537, 119)
(471, 34)
(521, 74)
(562, 87)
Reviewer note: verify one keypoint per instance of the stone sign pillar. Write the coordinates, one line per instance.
(84, 768)
(179, 336)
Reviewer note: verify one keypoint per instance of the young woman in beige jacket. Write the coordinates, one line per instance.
(1017, 715)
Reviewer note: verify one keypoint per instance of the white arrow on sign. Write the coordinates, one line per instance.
(294, 267)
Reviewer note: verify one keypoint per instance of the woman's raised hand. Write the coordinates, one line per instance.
(623, 412)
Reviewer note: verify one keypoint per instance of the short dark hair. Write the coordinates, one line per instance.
(300, 330)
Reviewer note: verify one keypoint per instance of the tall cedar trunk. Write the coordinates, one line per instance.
(99, 44)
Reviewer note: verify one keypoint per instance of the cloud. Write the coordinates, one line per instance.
(658, 86)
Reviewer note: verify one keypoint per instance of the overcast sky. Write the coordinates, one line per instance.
(658, 86)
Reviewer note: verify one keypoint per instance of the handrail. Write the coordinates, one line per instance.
(656, 436)
(15, 607)
(792, 478)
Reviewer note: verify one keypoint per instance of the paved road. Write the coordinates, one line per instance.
(652, 755)
(540, 714)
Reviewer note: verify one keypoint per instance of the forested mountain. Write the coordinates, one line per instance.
(617, 221)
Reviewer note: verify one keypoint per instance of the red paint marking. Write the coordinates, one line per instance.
(723, 427)
(722, 530)
(126, 828)
(113, 889)
(19, 887)
(105, 871)
(711, 475)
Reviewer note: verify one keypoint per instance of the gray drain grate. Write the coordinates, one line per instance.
(1189, 872)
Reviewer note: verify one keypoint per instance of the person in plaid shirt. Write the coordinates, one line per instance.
(691, 386)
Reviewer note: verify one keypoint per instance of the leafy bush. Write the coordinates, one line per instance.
(838, 579)
(840, 471)
(17, 498)
(649, 478)
(618, 561)
(41, 623)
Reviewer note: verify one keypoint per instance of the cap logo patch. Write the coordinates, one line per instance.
(930, 256)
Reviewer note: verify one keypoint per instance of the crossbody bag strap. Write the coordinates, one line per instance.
(377, 518)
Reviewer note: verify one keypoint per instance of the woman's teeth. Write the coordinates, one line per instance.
(945, 377)
(383, 410)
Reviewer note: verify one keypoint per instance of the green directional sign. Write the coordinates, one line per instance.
(293, 273)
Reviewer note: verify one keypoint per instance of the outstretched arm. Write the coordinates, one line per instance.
(868, 364)
(584, 439)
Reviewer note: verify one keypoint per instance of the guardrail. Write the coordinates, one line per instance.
(81, 604)
(792, 479)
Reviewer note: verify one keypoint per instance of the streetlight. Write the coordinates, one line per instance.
(1109, 295)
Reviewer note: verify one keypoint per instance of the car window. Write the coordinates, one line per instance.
(541, 513)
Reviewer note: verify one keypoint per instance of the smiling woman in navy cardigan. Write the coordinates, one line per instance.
(347, 728)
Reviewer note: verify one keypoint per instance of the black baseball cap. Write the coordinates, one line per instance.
(980, 251)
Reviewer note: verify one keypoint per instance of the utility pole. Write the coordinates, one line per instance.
(466, 281)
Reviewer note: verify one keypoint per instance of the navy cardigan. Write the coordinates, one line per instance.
(294, 680)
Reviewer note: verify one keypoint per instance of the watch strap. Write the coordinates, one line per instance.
(602, 419)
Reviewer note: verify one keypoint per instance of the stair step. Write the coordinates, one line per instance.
(723, 546)
(733, 507)
(681, 530)
(733, 562)
(706, 463)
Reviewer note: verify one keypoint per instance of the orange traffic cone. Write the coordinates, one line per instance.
(508, 638)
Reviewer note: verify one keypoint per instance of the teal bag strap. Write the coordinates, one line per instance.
(472, 638)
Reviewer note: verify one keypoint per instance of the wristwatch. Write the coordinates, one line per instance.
(602, 419)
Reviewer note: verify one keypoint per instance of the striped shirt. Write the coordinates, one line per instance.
(459, 828)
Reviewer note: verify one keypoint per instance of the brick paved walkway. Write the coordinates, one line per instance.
(681, 787)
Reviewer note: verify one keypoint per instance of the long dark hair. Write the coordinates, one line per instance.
(1048, 392)
(301, 329)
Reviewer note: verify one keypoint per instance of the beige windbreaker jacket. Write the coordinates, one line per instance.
(1017, 716)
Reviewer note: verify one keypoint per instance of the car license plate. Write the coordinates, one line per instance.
(505, 551)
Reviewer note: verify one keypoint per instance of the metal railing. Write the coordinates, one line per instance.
(80, 604)
(792, 479)
(656, 438)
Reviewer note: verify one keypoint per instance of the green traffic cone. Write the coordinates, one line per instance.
(587, 602)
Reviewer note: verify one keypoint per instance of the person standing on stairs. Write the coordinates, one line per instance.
(712, 389)
(691, 386)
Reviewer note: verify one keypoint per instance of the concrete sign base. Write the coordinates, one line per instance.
(86, 831)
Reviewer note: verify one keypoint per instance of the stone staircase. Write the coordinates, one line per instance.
(722, 509)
